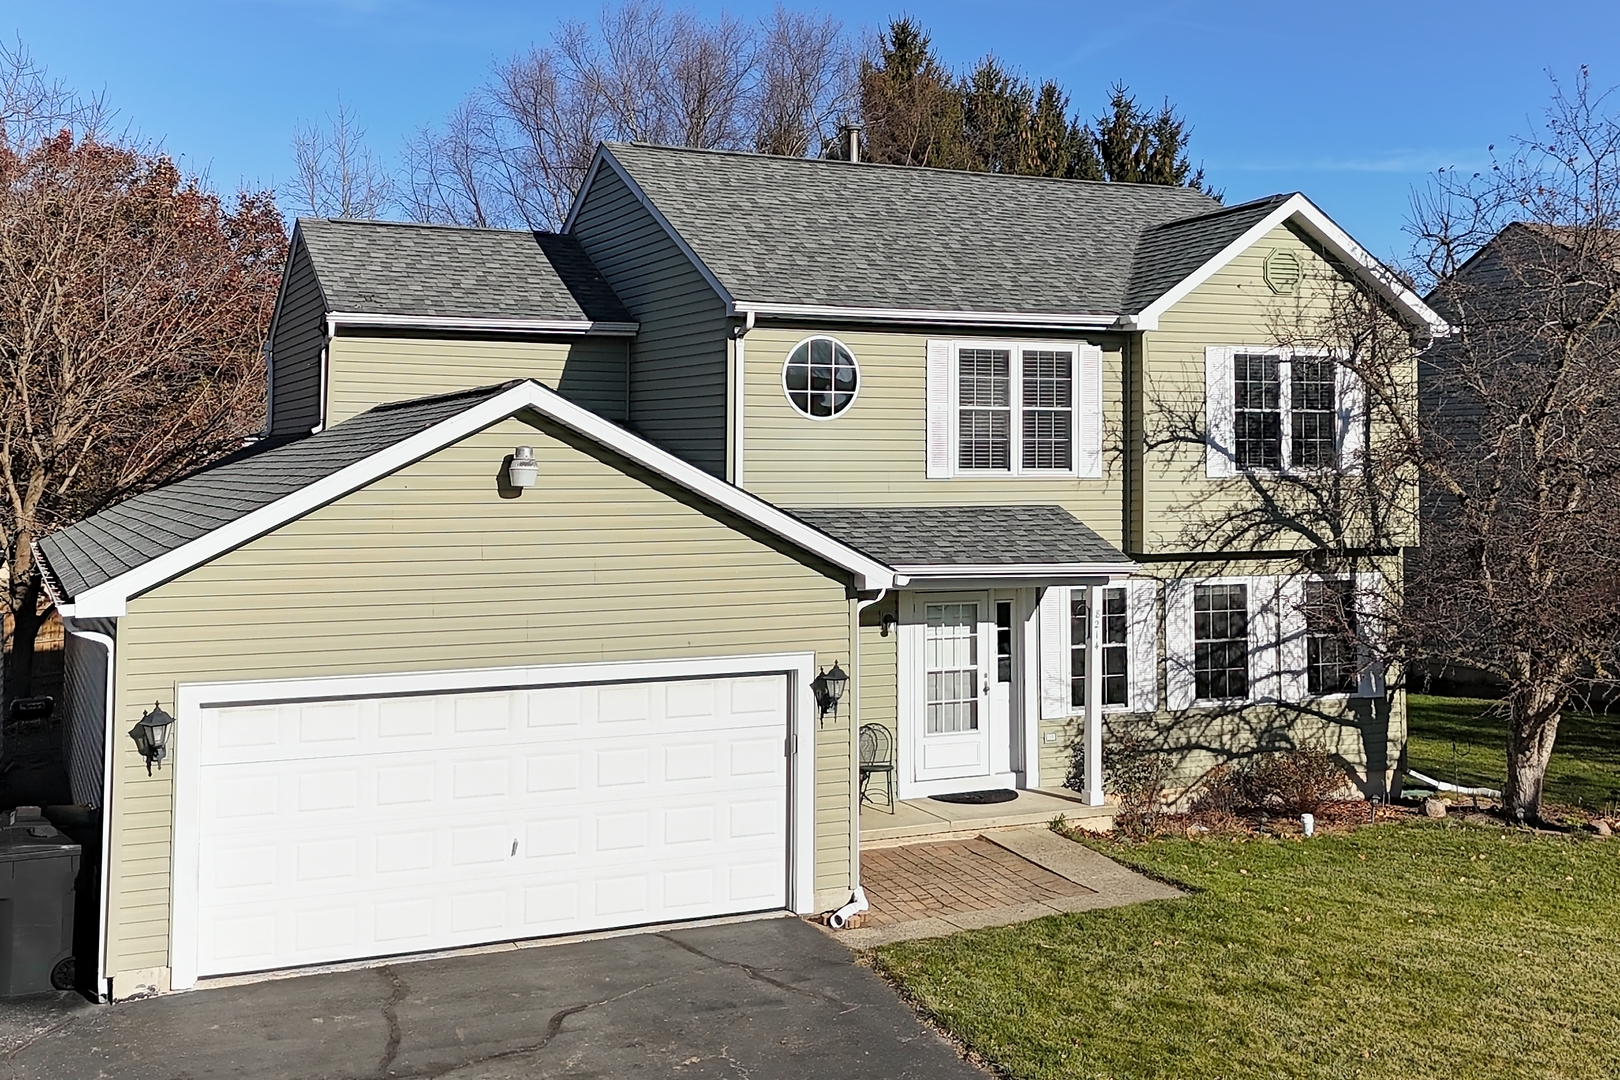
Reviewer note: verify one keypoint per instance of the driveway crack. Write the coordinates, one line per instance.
(759, 975)
(390, 1011)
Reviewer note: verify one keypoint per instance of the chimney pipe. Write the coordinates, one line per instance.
(852, 140)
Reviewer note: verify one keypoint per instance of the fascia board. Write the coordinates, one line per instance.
(1325, 231)
(604, 156)
(110, 598)
(1027, 319)
(381, 320)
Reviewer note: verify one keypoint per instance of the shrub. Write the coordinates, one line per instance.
(1134, 772)
(1297, 781)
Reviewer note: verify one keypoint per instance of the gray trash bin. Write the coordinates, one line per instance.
(38, 866)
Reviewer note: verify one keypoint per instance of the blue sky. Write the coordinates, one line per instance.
(1353, 103)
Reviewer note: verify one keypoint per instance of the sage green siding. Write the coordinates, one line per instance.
(430, 568)
(295, 347)
(1234, 307)
(678, 360)
(368, 370)
(875, 452)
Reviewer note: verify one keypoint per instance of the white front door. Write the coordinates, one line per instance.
(952, 739)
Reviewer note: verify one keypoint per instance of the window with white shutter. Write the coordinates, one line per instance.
(1014, 408)
(1279, 410)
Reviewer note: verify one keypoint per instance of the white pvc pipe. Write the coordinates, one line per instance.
(857, 904)
(1441, 785)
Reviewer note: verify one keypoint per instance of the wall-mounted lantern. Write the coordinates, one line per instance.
(887, 624)
(829, 688)
(524, 470)
(151, 735)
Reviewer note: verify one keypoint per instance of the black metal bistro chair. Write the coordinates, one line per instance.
(877, 757)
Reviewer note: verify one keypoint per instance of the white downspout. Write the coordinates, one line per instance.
(857, 900)
(739, 382)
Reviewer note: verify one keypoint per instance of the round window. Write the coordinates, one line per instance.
(820, 377)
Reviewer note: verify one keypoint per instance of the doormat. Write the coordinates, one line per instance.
(978, 798)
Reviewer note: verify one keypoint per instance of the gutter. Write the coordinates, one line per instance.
(1032, 320)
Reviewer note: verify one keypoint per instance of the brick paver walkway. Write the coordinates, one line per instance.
(920, 881)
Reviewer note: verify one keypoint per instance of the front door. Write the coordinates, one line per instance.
(953, 739)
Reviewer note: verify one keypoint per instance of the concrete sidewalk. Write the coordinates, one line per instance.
(1004, 877)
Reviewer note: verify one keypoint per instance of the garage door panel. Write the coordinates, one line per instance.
(391, 825)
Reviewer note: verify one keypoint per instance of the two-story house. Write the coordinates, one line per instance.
(527, 616)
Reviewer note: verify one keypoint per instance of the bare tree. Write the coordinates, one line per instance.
(517, 149)
(1519, 573)
(133, 311)
(338, 175)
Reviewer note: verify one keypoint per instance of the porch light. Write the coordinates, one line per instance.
(151, 735)
(524, 469)
(829, 688)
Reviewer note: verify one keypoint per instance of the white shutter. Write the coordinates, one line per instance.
(1291, 650)
(1180, 683)
(1263, 638)
(1370, 614)
(1142, 641)
(939, 410)
(1088, 412)
(1352, 419)
(1054, 619)
(1220, 438)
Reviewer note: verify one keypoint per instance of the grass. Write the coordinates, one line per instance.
(1395, 951)
(1585, 766)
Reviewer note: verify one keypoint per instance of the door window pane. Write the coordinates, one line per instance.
(951, 645)
(1003, 641)
(1115, 664)
(1221, 641)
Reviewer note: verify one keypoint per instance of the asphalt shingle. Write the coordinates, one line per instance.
(395, 268)
(964, 535)
(797, 231)
(143, 527)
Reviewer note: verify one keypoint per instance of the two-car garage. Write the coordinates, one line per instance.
(348, 825)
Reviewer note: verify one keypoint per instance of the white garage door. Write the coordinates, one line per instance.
(337, 830)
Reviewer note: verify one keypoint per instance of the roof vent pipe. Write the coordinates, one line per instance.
(851, 133)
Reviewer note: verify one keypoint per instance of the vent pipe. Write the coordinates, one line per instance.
(851, 132)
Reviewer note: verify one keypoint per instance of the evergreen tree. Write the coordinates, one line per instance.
(910, 102)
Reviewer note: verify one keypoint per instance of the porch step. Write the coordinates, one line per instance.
(919, 820)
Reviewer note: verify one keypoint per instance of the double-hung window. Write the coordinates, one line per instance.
(1280, 410)
(1014, 408)
(1221, 642)
(1330, 637)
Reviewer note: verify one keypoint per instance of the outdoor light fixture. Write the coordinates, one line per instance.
(524, 469)
(151, 736)
(829, 688)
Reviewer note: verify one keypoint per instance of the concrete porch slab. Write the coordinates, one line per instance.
(915, 820)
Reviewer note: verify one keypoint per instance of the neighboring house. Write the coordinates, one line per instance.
(786, 415)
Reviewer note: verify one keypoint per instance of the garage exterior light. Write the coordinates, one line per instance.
(151, 735)
(524, 470)
(829, 688)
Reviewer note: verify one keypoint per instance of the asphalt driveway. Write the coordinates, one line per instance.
(764, 999)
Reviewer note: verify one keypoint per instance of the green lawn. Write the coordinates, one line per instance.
(1396, 951)
(1585, 767)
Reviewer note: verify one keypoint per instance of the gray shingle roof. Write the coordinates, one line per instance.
(393, 268)
(795, 231)
(964, 535)
(1168, 253)
(143, 527)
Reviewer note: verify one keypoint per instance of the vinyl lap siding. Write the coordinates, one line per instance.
(295, 350)
(678, 360)
(430, 569)
(875, 453)
(369, 370)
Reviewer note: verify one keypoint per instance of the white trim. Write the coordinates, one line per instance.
(1027, 319)
(1094, 710)
(109, 599)
(1028, 654)
(382, 320)
(103, 983)
(1324, 231)
(605, 156)
(192, 698)
(739, 398)
(853, 397)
